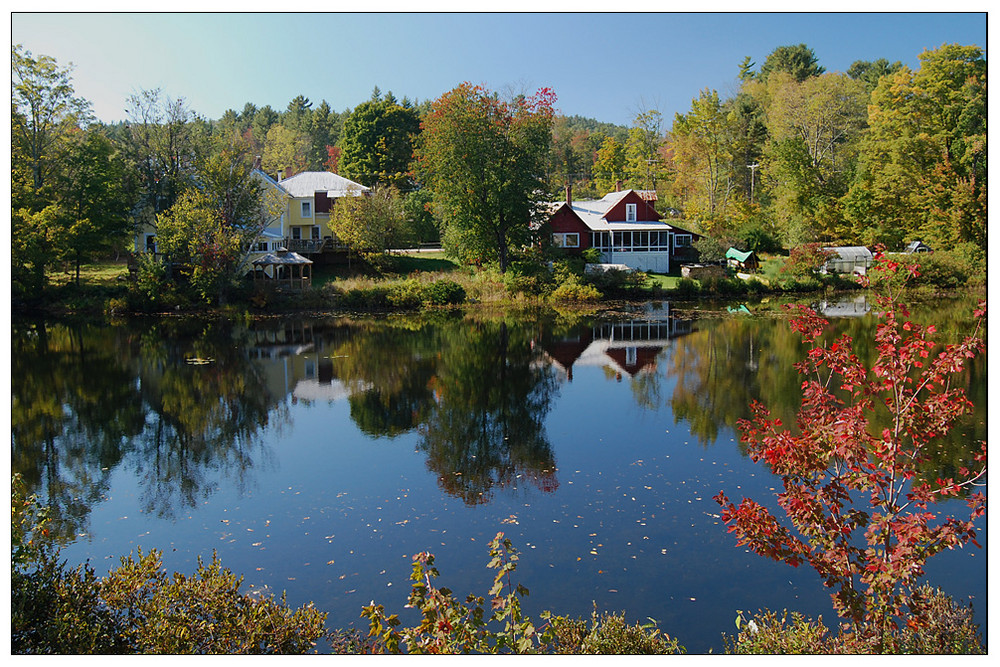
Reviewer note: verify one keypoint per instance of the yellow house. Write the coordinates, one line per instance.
(297, 212)
(312, 194)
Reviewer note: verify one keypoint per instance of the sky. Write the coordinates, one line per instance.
(607, 66)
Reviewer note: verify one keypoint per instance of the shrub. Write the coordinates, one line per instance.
(617, 282)
(724, 286)
(444, 292)
(205, 613)
(608, 634)
(687, 287)
(573, 291)
(405, 294)
(947, 629)
(591, 256)
(137, 608)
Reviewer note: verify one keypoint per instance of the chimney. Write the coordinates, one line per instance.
(256, 162)
(618, 186)
(569, 194)
(281, 175)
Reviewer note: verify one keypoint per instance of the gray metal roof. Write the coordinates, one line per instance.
(308, 183)
(281, 256)
(592, 212)
(851, 252)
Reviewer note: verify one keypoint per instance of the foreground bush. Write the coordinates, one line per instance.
(947, 629)
(138, 608)
(450, 626)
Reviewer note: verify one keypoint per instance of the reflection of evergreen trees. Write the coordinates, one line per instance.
(473, 390)
(181, 402)
(87, 399)
(730, 362)
(487, 428)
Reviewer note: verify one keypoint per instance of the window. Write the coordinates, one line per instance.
(307, 209)
(151, 243)
(682, 240)
(567, 240)
(261, 246)
(631, 212)
(315, 233)
(296, 233)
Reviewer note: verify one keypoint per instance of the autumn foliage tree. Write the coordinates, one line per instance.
(860, 513)
(484, 158)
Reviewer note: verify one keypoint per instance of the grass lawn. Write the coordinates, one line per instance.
(424, 261)
(662, 281)
(104, 274)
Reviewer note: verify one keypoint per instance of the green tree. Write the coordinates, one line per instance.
(377, 141)
(702, 155)
(870, 72)
(285, 150)
(161, 142)
(44, 112)
(922, 165)
(814, 126)
(799, 61)
(371, 223)
(644, 163)
(609, 165)
(484, 159)
(93, 193)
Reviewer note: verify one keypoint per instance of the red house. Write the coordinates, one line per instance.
(625, 227)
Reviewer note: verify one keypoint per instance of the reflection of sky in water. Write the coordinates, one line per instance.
(333, 516)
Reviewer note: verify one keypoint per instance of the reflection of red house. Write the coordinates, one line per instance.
(624, 226)
(628, 348)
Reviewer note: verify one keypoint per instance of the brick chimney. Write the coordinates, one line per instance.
(618, 186)
(569, 194)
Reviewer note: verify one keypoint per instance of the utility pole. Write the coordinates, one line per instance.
(753, 171)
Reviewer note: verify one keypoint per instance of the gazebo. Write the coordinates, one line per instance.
(288, 269)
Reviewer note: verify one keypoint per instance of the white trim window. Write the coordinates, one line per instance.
(307, 209)
(631, 212)
(566, 240)
(682, 240)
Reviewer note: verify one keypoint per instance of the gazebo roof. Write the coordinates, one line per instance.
(281, 256)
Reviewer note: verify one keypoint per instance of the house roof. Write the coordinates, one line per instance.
(593, 211)
(308, 183)
(281, 256)
(851, 252)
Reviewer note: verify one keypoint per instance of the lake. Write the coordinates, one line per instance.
(318, 455)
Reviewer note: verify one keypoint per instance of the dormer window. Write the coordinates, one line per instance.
(631, 212)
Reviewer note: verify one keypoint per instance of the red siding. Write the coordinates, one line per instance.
(644, 213)
(565, 220)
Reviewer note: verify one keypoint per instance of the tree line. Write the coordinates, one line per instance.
(879, 154)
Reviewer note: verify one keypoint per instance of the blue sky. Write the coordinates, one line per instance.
(604, 66)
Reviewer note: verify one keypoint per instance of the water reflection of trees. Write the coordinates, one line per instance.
(473, 390)
(88, 399)
(487, 427)
(731, 361)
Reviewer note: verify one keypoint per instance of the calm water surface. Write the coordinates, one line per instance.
(316, 456)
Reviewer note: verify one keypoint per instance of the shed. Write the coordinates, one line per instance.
(848, 259)
(287, 269)
(743, 260)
